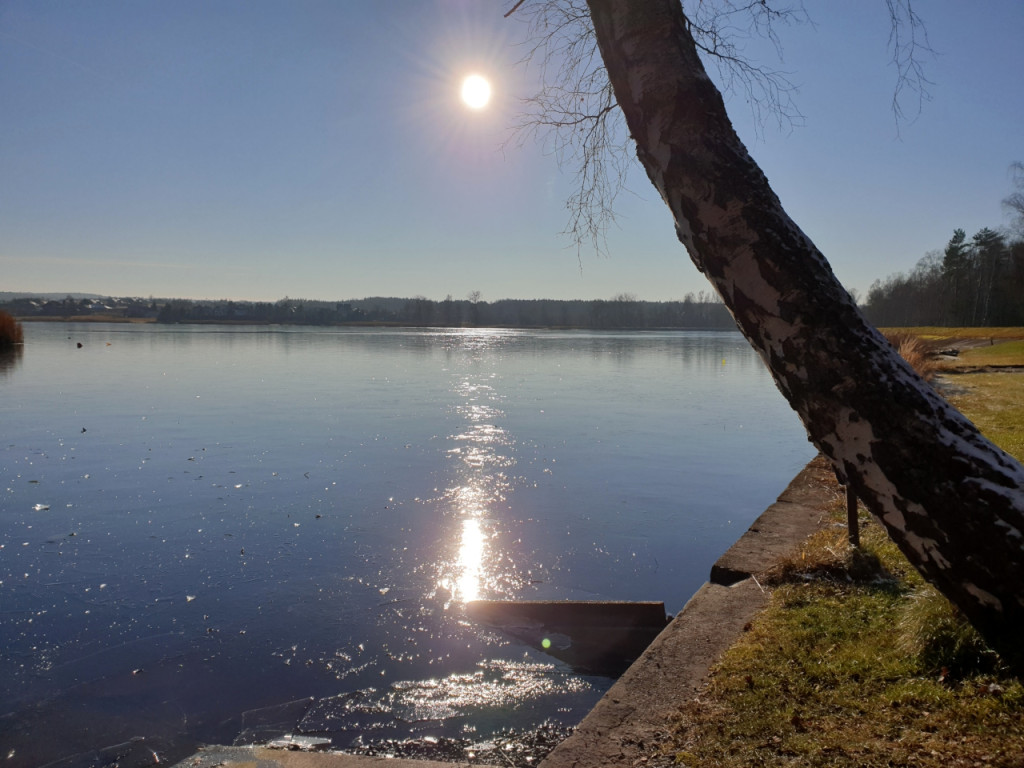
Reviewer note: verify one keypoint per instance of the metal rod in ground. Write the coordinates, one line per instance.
(852, 522)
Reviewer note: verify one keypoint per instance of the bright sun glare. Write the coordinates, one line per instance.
(476, 92)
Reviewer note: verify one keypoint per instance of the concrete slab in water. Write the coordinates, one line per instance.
(593, 637)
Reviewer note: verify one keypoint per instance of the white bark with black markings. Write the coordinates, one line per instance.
(952, 501)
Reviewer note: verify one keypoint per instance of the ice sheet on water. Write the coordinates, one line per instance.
(130, 754)
(262, 725)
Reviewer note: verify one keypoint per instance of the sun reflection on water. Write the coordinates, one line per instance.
(481, 454)
(471, 557)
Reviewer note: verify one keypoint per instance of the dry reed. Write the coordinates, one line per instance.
(11, 333)
(916, 352)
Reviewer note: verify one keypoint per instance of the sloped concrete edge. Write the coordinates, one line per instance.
(795, 515)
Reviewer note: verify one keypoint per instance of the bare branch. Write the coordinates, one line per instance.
(719, 30)
(575, 117)
(574, 114)
(908, 40)
(514, 8)
(1014, 202)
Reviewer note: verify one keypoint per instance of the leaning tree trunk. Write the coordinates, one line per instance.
(952, 501)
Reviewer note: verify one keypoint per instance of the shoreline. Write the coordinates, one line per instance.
(363, 324)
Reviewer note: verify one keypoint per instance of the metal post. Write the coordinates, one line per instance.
(852, 523)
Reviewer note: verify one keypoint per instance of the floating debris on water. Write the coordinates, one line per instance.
(510, 748)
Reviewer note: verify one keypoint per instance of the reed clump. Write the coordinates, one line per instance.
(915, 351)
(11, 332)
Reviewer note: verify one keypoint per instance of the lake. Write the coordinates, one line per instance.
(198, 522)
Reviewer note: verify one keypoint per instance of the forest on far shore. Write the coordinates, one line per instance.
(972, 282)
(976, 281)
(624, 311)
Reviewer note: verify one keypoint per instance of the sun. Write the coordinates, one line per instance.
(476, 92)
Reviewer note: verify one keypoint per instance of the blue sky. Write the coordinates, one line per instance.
(252, 149)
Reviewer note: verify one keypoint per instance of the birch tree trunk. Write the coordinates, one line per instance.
(952, 501)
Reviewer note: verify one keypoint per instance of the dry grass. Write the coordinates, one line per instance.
(939, 334)
(915, 351)
(11, 332)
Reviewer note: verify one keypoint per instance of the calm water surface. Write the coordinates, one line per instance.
(201, 521)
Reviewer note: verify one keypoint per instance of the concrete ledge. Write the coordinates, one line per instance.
(780, 529)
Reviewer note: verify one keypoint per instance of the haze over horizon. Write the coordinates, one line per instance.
(257, 150)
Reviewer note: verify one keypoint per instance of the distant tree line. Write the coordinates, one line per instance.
(977, 281)
(285, 311)
(972, 282)
(701, 310)
(621, 312)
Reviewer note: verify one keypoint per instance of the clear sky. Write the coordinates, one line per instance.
(254, 149)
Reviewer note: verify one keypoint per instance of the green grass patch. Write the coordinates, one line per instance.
(856, 662)
(1004, 353)
(833, 674)
(994, 401)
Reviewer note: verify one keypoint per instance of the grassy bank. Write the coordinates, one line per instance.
(857, 662)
